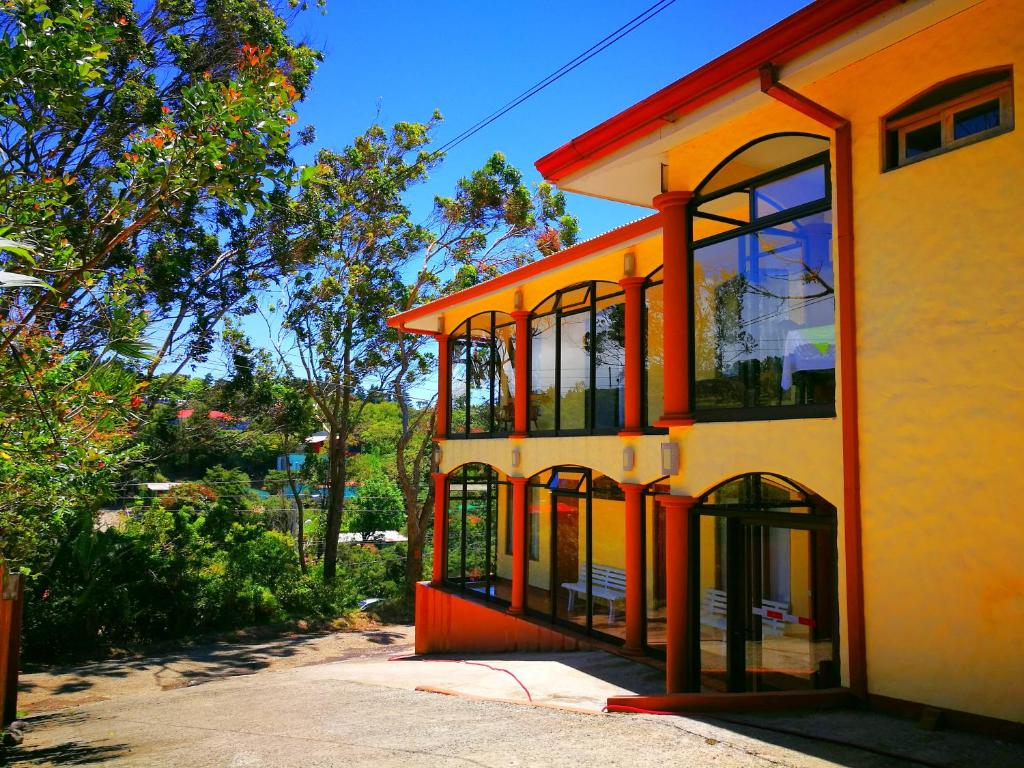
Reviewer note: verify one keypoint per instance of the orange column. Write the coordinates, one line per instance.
(634, 567)
(522, 365)
(518, 544)
(443, 380)
(440, 529)
(677, 592)
(675, 231)
(633, 288)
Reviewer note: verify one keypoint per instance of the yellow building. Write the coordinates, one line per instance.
(771, 433)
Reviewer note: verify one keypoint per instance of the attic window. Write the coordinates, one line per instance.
(949, 116)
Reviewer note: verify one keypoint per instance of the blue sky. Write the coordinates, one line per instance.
(400, 60)
(406, 57)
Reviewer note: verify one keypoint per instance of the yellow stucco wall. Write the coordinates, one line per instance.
(940, 299)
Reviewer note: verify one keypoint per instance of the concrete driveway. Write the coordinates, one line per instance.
(364, 710)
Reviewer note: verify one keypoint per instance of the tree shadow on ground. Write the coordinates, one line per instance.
(383, 638)
(68, 753)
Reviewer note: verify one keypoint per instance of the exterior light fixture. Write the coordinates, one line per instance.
(629, 263)
(440, 323)
(628, 458)
(669, 459)
(435, 459)
(515, 457)
(517, 299)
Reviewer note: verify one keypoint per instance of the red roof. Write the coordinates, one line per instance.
(807, 29)
(185, 413)
(220, 416)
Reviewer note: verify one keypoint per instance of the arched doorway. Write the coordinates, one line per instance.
(764, 587)
(575, 553)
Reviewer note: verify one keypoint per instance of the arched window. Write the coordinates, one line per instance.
(576, 571)
(763, 283)
(481, 365)
(654, 348)
(950, 115)
(766, 580)
(479, 503)
(577, 358)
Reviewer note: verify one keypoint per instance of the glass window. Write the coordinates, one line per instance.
(543, 335)
(473, 563)
(764, 317)
(574, 370)
(578, 352)
(950, 115)
(802, 187)
(654, 341)
(482, 376)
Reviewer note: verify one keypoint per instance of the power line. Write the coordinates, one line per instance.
(559, 73)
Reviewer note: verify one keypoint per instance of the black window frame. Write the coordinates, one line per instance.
(645, 416)
(557, 312)
(756, 224)
(939, 106)
(466, 335)
(820, 516)
(585, 491)
(493, 480)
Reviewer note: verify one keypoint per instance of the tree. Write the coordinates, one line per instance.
(141, 147)
(492, 224)
(377, 506)
(356, 230)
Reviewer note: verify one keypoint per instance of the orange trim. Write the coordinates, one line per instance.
(522, 362)
(634, 515)
(443, 377)
(634, 300)
(518, 544)
(677, 593)
(440, 534)
(843, 207)
(567, 256)
(826, 698)
(805, 30)
(676, 307)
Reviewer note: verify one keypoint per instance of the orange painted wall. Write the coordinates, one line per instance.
(446, 623)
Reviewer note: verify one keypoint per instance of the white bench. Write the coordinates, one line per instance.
(714, 606)
(608, 584)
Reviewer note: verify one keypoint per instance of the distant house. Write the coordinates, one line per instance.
(226, 420)
(293, 460)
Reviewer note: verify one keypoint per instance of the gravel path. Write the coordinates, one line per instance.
(185, 710)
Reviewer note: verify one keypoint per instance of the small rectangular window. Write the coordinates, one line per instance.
(949, 116)
(927, 138)
(983, 117)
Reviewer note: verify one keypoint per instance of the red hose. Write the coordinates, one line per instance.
(510, 673)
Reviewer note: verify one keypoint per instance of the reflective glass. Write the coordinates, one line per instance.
(538, 580)
(921, 140)
(791, 191)
(764, 317)
(609, 350)
(480, 383)
(459, 392)
(654, 575)
(574, 382)
(713, 596)
(654, 384)
(505, 385)
(571, 559)
(982, 117)
(542, 373)
(608, 530)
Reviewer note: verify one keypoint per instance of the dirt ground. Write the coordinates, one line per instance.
(350, 699)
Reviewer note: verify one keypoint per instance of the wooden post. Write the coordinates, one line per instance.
(675, 228)
(519, 501)
(677, 592)
(11, 601)
(634, 567)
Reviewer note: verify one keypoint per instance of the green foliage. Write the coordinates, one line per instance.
(191, 561)
(377, 506)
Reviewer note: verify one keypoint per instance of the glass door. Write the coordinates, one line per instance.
(766, 596)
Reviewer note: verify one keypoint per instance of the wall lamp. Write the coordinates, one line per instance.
(628, 458)
(669, 459)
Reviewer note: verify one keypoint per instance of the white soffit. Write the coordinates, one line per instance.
(633, 174)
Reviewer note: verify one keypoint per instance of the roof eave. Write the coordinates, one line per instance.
(808, 28)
